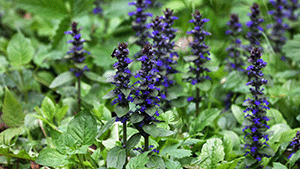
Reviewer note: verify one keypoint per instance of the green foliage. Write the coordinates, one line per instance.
(116, 158)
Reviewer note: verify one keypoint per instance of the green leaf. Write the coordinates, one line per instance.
(136, 118)
(173, 151)
(151, 111)
(19, 50)
(63, 26)
(62, 79)
(81, 7)
(109, 95)
(292, 48)
(231, 140)
(106, 126)
(48, 108)
(229, 165)
(238, 113)
(276, 117)
(155, 131)
(294, 158)
(56, 9)
(116, 158)
(121, 110)
(7, 135)
(205, 119)
(133, 141)
(83, 128)
(22, 154)
(204, 86)
(233, 80)
(138, 161)
(62, 141)
(81, 150)
(170, 164)
(213, 152)
(61, 113)
(267, 150)
(126, 92)
(93, 76)
(13, 115)
(279, 166)
(52, 158)
(156, 161)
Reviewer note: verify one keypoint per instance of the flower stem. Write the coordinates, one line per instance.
(125, 139)
(146, 143)
(197, 101)
(78, 92)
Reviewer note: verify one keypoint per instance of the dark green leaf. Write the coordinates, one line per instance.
(136, 118)
(56, 9)
(83, 128)
(292, 48)
(155, 131)
(93, 76)
(238, 113)
(133, 141)
(62, 79)
(106, 126)
(20, 51)
(63, 26)
(52, 158)
(267, 150)
(121, 110)
(81, 7)
(151, 111)
(13, 115)
(205, 119)
(116, 158)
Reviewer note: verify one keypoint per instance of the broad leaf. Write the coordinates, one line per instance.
(83, 128)
(116, 158)
(156, 161)
(133, 141)
(155, 131)
(19, 50)
(212, 153)
(48, 108)
(52, 158)
(205, 119)
(10, 133)
(170, 164)
(173, 151)
(13, 115)
(279, 166)
(106, 126)
(121, 110)
(292, 48)
(63, 26)
(276, 117)
(22, 154)
(238, 113)
(62, 79)
(138, 161)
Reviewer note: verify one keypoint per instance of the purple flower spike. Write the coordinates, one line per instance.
(257, 125)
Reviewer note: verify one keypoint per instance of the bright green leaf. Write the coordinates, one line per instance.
(138, 161)
(51, 157)
(62, 79)
(116, 158)
(238, 113)
(48, 108)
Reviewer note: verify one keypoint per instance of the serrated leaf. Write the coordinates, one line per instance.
(279, 166)
(56, 9)
(13, 115)
(205, 119)
(62, 79)
(22, 154)
(138, 161)
(83, 128)
(10, 133)
(213, 152)
(116, 158)
(156, 161)
(52, 158)
(155, 131)
(48, 108)
(19, 50)
(61, 113)
(170, 164)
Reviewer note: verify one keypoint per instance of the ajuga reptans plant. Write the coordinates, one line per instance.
(146, 94)
(98, 9)
(77, 56)
(163, 48)
(279, 27)
(235, 62)
(292, 7)
(197, 73)
(254, 35)
(295, 146)
(256, 120)
(139, 24)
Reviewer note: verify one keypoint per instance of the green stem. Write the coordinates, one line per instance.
(78, 92)
(80, 160)
(197, 101)
(146, 148)
(24, 91)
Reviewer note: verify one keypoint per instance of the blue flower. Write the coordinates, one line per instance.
(256, 123)
(76, 49)
(295, 146)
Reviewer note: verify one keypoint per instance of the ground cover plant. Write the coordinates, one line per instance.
(150, 84)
